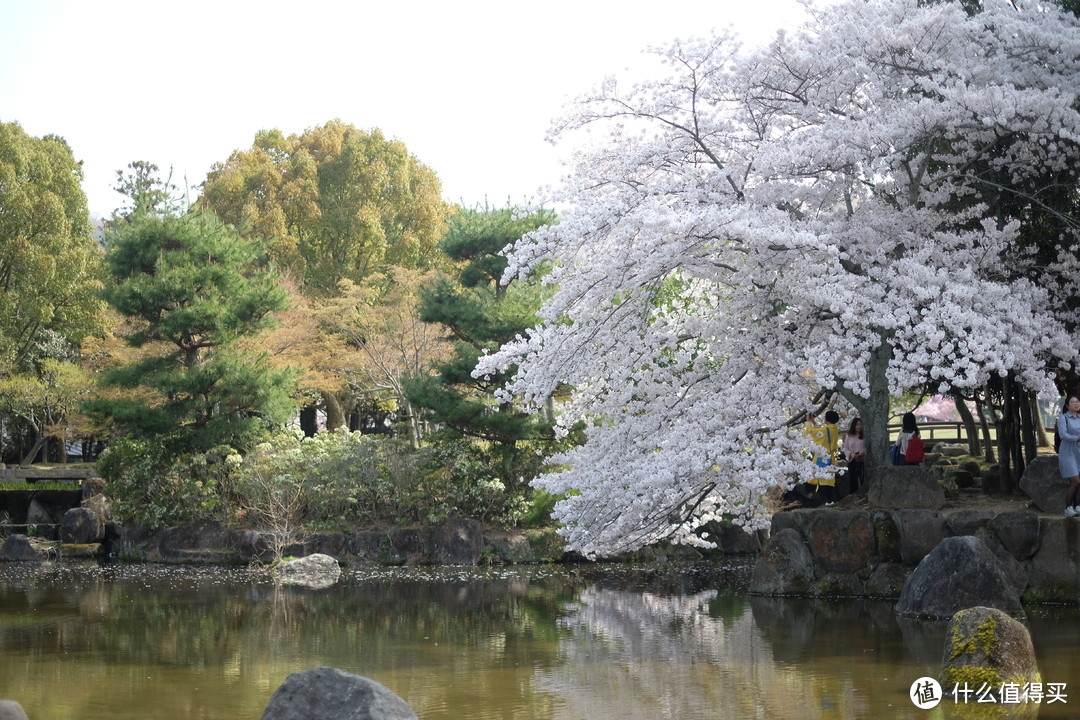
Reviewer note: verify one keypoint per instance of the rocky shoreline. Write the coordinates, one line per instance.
(872, 547)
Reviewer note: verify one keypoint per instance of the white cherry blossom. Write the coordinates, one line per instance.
(821, 213)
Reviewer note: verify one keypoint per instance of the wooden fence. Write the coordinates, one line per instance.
(32, 474)
(947, 431)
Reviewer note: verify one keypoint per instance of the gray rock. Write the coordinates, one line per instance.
(92, 487)
(887, 536)
(968, 522)
(330, 694)
(951, 449)
(459, 541)
(18, 547)
(908, 486)
(963, 479)
(920, 532)
(1055, 567)
(412, 546)
(961, 572)
(1043, 483)
(985, 645)
(1018, 533)
(1013, 567)
(371, 546)
(887, 581)
(834, 585)
(841, 541)
(11, 710)
(528, 546)
(785, 566)
(38, 514)
(177, 543)
(796, 519)
(315, 571)
(735, 540)
(81, 526)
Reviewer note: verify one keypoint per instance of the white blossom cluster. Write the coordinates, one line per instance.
(824, 212)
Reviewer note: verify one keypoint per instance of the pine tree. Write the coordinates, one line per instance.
(192, 287)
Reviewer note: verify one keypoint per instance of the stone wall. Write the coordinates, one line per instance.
(870, 552)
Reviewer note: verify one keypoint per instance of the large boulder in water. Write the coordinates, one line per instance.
(315, 571)
(80, 526)
(985, 646)
(19, 547)
(785, 566)
(330, 694)
(11, 710)
(961, 572)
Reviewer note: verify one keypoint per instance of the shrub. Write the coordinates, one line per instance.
(147, 487)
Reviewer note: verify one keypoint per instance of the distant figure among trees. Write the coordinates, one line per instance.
(1068, 432)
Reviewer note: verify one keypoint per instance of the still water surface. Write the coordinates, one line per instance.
(555, 643)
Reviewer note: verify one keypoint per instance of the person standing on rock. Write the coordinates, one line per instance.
(855, 452)
(1068, 431)
(828, 437)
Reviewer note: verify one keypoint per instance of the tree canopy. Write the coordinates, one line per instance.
(333, 202)
(841, 211)
(50, 266)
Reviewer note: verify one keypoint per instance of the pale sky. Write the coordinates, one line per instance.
(470, 87)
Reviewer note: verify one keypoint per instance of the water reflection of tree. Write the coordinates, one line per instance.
(179, 625)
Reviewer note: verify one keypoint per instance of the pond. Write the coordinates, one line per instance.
(592, 642)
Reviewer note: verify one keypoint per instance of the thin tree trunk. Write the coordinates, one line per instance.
(335, 418)
(1027, 428)
(970, 429)
(1041, 438)
(988, 441)
(28, 459)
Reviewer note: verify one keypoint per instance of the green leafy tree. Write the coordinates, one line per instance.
(481, 314)
(50, 266)
(44, 399)
(193, 287)
(333, 203)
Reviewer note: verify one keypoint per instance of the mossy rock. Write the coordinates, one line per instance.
(1052, 592)
(984, 647)
(80, 550)
(838, 585)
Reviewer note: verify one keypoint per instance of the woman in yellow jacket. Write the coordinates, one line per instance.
(828, 437)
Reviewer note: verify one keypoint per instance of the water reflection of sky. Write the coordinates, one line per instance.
(559, 643)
